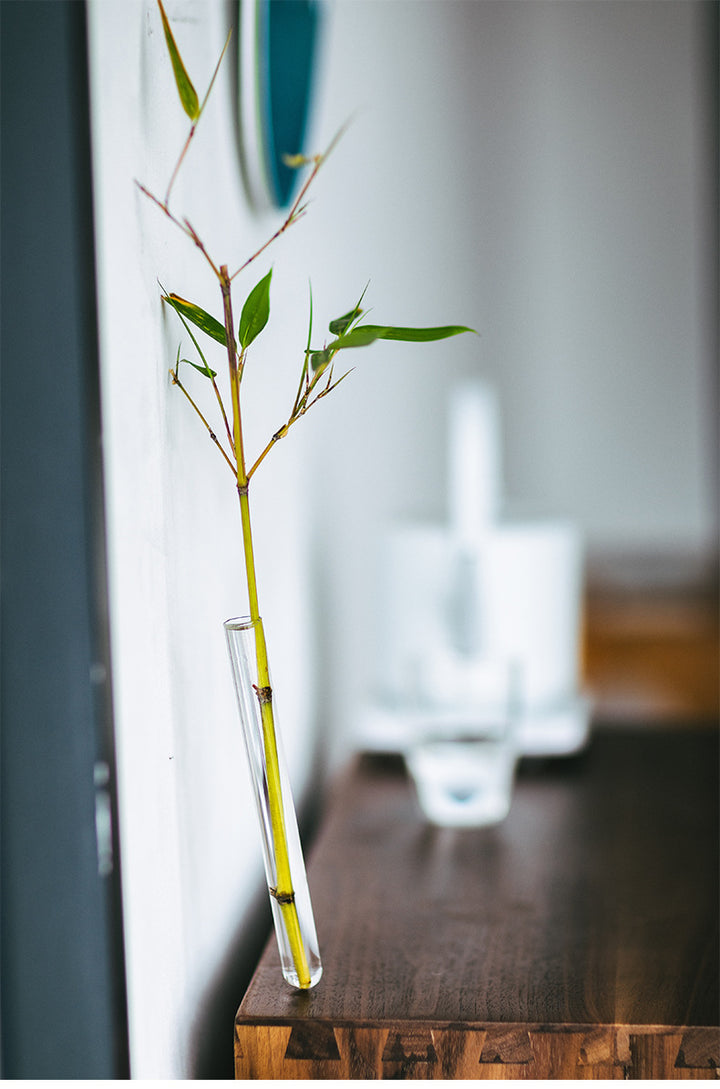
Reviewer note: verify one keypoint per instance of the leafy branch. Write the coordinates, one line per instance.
(318, 363)
(317, 380)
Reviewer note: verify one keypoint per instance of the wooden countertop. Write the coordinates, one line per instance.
(577, 938)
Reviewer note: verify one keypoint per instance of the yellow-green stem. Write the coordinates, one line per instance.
(283, 892)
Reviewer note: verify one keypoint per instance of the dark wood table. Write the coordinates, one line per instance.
(577, 939)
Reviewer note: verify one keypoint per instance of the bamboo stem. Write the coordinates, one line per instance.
(283, 892)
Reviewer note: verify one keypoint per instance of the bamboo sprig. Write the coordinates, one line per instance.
(316, 382)
(283, 892)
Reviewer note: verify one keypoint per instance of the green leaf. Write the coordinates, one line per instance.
(339, 325)
(320, 360)
(188, 94)
(362, 335)
(207, 371)
(199, 350)
(359, 337)
(256, 311)
(415, 336)
(197, 316)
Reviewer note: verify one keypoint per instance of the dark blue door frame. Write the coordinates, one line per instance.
(63, 1012)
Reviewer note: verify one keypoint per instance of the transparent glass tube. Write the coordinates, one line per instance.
(282, 850)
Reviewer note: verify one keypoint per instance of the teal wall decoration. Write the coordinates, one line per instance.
(278, 51)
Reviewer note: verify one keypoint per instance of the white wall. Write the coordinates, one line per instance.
(536, 170)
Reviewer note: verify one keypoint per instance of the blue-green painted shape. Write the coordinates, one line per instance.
(288, 34)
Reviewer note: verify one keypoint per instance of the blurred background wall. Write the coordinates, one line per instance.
(542, 171)
(547, 173)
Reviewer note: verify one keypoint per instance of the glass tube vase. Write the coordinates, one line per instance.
(282, 851)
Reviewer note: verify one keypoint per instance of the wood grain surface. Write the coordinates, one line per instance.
(579, 938)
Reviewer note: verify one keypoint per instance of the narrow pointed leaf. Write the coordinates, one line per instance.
(207, 371)
(198, 317)
(339, 325)
(256, 311)
(188, 94)
(415, 336)
(193, 338)
(359, 337)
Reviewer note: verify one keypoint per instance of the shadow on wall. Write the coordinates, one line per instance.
(211, 1046)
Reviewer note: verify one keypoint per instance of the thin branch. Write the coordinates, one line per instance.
(282, 432)
(190, 230)
(176, 382)
(222, 410)
(334, 385)
(185, 226)
(296, 212)
(288, 222)
(163, 207)
(276, 438)
(178, 164)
